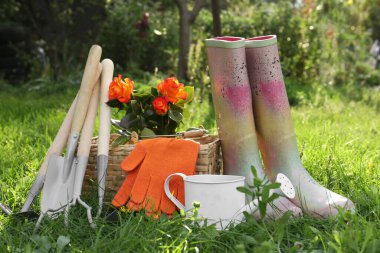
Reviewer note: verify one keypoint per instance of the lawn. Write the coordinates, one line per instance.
(338, 136)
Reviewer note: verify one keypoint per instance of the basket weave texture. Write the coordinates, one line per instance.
(208, 162)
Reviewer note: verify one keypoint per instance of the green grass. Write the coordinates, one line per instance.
(339, 139)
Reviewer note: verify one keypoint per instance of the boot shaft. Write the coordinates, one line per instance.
(275, 132)
(233, 106)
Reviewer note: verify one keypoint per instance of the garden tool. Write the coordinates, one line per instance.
(191, 134)
(148, 165)
(56, 148)
(104, 130)
(277, 140)
(28, 215)
(233, 107)
(59, 182)
(83, 154)
(5, 209)
(67, 191)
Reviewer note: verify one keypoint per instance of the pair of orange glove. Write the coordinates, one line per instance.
(148, 165)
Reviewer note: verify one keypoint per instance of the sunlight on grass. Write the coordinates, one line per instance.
(338, 139)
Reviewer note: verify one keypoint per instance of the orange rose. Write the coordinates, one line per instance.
(121, 90)
(160, 105)
(172, 90)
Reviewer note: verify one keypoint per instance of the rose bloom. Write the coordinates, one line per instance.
(121, 90)
(172, 90)
(160, 105)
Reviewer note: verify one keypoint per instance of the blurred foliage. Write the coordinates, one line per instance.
(59, 33)
(320, 41)
(140, 36)
(373, 22)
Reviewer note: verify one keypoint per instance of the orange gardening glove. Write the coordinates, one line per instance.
(163, 157)
(132, 165)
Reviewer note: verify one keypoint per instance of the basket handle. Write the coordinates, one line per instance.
(169, 194)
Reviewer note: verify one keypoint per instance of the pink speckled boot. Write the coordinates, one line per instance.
(275, 132)
(233, 107)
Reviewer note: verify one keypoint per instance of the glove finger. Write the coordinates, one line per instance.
(167, 206)
(132, 206)
(154, 194)
(134, 159)
(141, 186)
(124, 191)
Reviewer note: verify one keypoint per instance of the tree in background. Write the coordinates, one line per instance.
(217, 25)
(186, 19)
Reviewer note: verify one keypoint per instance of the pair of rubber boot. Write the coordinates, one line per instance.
(253, 113)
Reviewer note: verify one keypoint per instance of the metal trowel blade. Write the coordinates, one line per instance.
(58, 190)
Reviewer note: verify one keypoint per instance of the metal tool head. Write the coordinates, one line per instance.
(102, 164)
(58, 188)
(28, 215)
(6, 210)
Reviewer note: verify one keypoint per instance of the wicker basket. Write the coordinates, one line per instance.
(208, 162)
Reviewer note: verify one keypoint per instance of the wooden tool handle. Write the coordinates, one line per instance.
(193, 134)
(105, 110)
(86, 88)
(60, 139)
(89, 123)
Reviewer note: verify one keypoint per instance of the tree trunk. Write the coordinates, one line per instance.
(216, 23)
(184, 45)
(186, 19)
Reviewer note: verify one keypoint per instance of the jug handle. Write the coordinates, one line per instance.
(169, 194)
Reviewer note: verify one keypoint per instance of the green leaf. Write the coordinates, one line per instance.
(249, 218)
(62, 241)
(147, 132)
(186, 113)
(121, 140)
(250, 186)
(114, 103)
(135, 106)
(153, 122)
(262, 209)
(244, 190)
(141, 95)
(141, 122)
(314, 230)
(265, 193)
(148, 113)
(154, 91)
(43, 243)
(254, 172)
(175, 115)
(272, 198)
(257, 182)
(129, 120)
(249, 239)
(190, 95)
(176, 107)
(274, 185)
